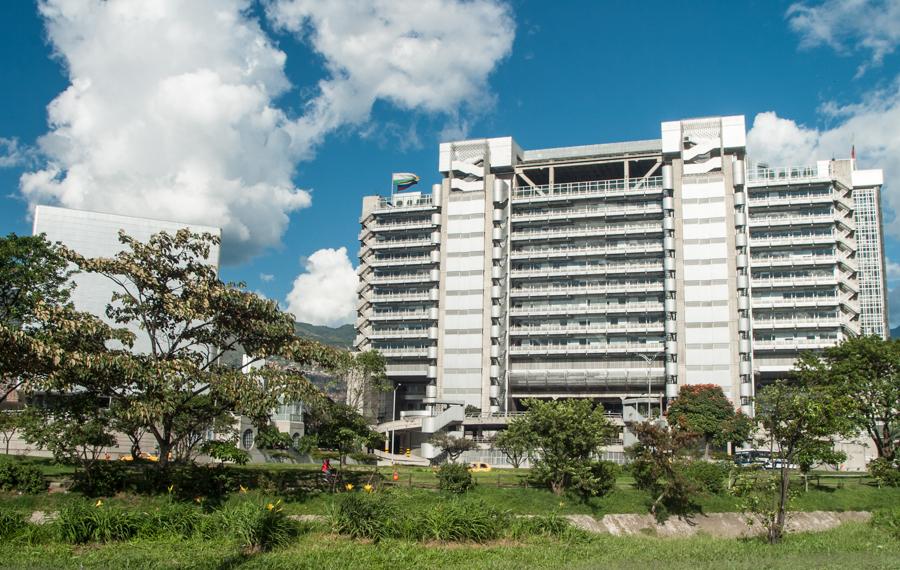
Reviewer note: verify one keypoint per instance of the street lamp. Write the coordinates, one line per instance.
(394, 418)
(649, 360)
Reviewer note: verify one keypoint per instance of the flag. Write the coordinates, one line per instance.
(404, 180)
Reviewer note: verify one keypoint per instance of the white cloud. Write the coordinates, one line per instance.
(873, 126)
(13, 154)
(427, 55)
(170, 110)
(326, 293)
(893, 270)
(266, 277)
(169, 114)
(844, 25)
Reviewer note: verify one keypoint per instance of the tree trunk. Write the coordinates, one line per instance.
(706, 449)
(778, 528)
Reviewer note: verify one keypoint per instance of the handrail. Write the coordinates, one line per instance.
(587, 188)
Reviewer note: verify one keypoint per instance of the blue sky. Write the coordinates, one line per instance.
(547, 73)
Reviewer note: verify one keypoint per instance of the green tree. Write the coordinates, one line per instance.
(515, 441)
(801, 419)
(340, 427)
(166, 288)
(566, 435)
(704, 410)
(452, 446)
(10, 423)
(866, 372)
(659, 462)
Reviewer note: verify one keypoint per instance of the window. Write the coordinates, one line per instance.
(247, 439)
(296, 438)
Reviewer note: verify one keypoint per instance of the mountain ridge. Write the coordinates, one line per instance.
(340, 337)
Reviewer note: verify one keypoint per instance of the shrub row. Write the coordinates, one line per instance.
(15, 476)
(379, 516)
(259, 526)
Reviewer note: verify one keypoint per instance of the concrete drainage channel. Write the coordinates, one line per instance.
(720, 525)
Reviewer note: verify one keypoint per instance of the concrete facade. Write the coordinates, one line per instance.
(617, 272)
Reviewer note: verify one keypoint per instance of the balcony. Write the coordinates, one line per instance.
(584, 349)
(400, 316)
(795, 200)
(404, 352)
(791, 220)
(584, 308)
(567, 252)
(597, 269)
(573, 290)
(401, 243)
(384, 226)
(787, 175)
(423, 277)
(797, 240)
(403, 203)
(790, 281)
(589, 189)
(401, 260)
(798, 302)
(793, 344)
(586, 231)
(400, 297)
(598, 328)
(791, 260)
(589, 212)
(804, 322)
(398, 333)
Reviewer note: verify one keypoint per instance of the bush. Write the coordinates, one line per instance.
(102, 479)
(454, 477)
(225, 451)
(594, 478)
(81, 523)
(709, 477)
(459, 520)
(366, 516)
(888, 520)
(259, 526)
(551, 525)
(21, 477)
(173, 520)
(885, 472)
(11, 524)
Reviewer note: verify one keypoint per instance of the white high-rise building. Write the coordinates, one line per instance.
(617, 272)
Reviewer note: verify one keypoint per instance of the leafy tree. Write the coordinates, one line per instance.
(865, 371)
(10, 423)
(515, 441)
(225, 451)
(74, 427)
(340, 427)
(32, 274)
(659, 464)
(133, 428)
(269, 437)
(452, 446)
(566, 435)
(365, 380)
(167, 290)
(704, 410)
(801, 419)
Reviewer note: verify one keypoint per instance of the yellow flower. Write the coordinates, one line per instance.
(349, 486)
(99, 503)
(170, 488)
(243, 489)
(198, 500)
(368, 488)
(270, 506)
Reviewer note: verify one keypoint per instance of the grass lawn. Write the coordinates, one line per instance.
(850, 546)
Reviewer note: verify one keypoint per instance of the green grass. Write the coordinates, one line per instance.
(850, 546)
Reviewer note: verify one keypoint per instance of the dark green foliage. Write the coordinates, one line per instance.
(551, 525)
(225, 451)
(172, 520)
(11, 523)
(80, 523)
(709, 477)
(21, 477)
(885, 472)
(455, 478)
(569, 434)
(101, 479)
(658, 464)
(379, 516)
(452, 446)
(594, 479)
(704, 410)
(515, 442)
(269, 437)
(888, 520)
(258, 525)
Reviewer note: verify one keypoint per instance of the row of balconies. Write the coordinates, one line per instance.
(610, 211)
(795, 280)
(587, 308)
(793, 344)
(758, 220)
(588, 269)
(418, 241)
(588, 189)
(800, 302)
(586, 349)
(389, 225)
(788, 260)
(768, 201)
(419, 332)
(564, 252)
(419, 277)
(430, 314)
(404, 296)
(594, 329)
(408, 351)
(401, 260)
(585, 231)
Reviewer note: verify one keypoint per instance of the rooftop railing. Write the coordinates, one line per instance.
(589, 188)
(786, 174)
(399, 202)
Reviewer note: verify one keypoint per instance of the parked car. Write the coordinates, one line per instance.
(778, 464)
(479, 467)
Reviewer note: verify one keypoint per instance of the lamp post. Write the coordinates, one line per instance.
(649, 360)
(394, 418)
